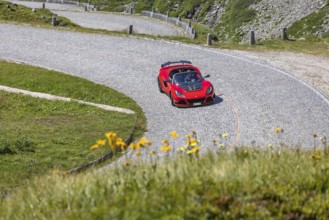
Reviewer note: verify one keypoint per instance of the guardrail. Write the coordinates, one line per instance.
(67, 2)
(190, 31)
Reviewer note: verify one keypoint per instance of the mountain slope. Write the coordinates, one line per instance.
(233, 19)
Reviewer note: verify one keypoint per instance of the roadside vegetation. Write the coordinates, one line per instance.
(38, 135)
(279, 181)
(237, 14)
(10, 12)
(310, 24)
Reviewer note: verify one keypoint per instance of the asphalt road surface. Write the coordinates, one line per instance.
(254, 97)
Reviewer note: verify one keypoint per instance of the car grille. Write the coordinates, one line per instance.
(191, 101)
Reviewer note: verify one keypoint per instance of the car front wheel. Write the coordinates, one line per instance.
(172, 100)
(159, 85)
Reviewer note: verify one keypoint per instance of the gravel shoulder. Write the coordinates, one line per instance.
(312, 69)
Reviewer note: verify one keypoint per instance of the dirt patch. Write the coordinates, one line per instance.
(312, 69)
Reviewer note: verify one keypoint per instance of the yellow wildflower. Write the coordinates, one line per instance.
(270, 146)
(113, 141)
(121, 144)
(138, 153)
(152, 152)
(194, 150)
(192, 142)
(165, 148)
(101, 142)
(133, 146)
(182, 149)
(278, 130)
(143, 142)
(108, 135)
(225, 135)
(126, 163)
(94, 147)
(316, 156)
(174, 134)
(221, 145)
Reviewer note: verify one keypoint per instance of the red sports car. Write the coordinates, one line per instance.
(184, 84)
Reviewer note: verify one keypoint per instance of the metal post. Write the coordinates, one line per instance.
(284, 34)
(252, 38)
(130, 29)
(193, 33)
(189, 23)
(209, 40)
(86, 9)
(53, 20)
(179, 18)
(43, 5)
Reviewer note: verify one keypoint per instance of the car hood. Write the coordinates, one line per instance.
(191, 87)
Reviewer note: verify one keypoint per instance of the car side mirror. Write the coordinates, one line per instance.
(207, 76)
(166, 82)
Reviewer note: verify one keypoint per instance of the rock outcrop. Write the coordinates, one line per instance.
(271, 16)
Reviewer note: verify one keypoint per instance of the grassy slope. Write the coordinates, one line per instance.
(236, 14)
(18, 13)
(310, 24)
(245, 184)
(37, 135)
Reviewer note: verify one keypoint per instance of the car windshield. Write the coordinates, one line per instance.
(187, 78)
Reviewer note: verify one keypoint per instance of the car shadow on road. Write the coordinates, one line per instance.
(218, 100)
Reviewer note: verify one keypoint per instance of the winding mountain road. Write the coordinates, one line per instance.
(109, 21)
(255, 97)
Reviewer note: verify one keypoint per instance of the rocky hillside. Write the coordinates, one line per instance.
(232, 20)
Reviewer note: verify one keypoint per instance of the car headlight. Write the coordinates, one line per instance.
(209, 90)
(179, 94)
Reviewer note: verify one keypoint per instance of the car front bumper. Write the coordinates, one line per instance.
(186, 102)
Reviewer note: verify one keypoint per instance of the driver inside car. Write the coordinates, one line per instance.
(190, 78)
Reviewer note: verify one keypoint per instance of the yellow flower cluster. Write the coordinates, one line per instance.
(192, 144)
(114, 142)
(141, 143)
(166, 147)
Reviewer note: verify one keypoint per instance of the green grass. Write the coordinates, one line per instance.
(310, 24)
(38, 135)
(236, 14)
(247, 183)
(21, 14)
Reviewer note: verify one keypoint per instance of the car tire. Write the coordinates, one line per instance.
(159, 85)
(172, 100)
